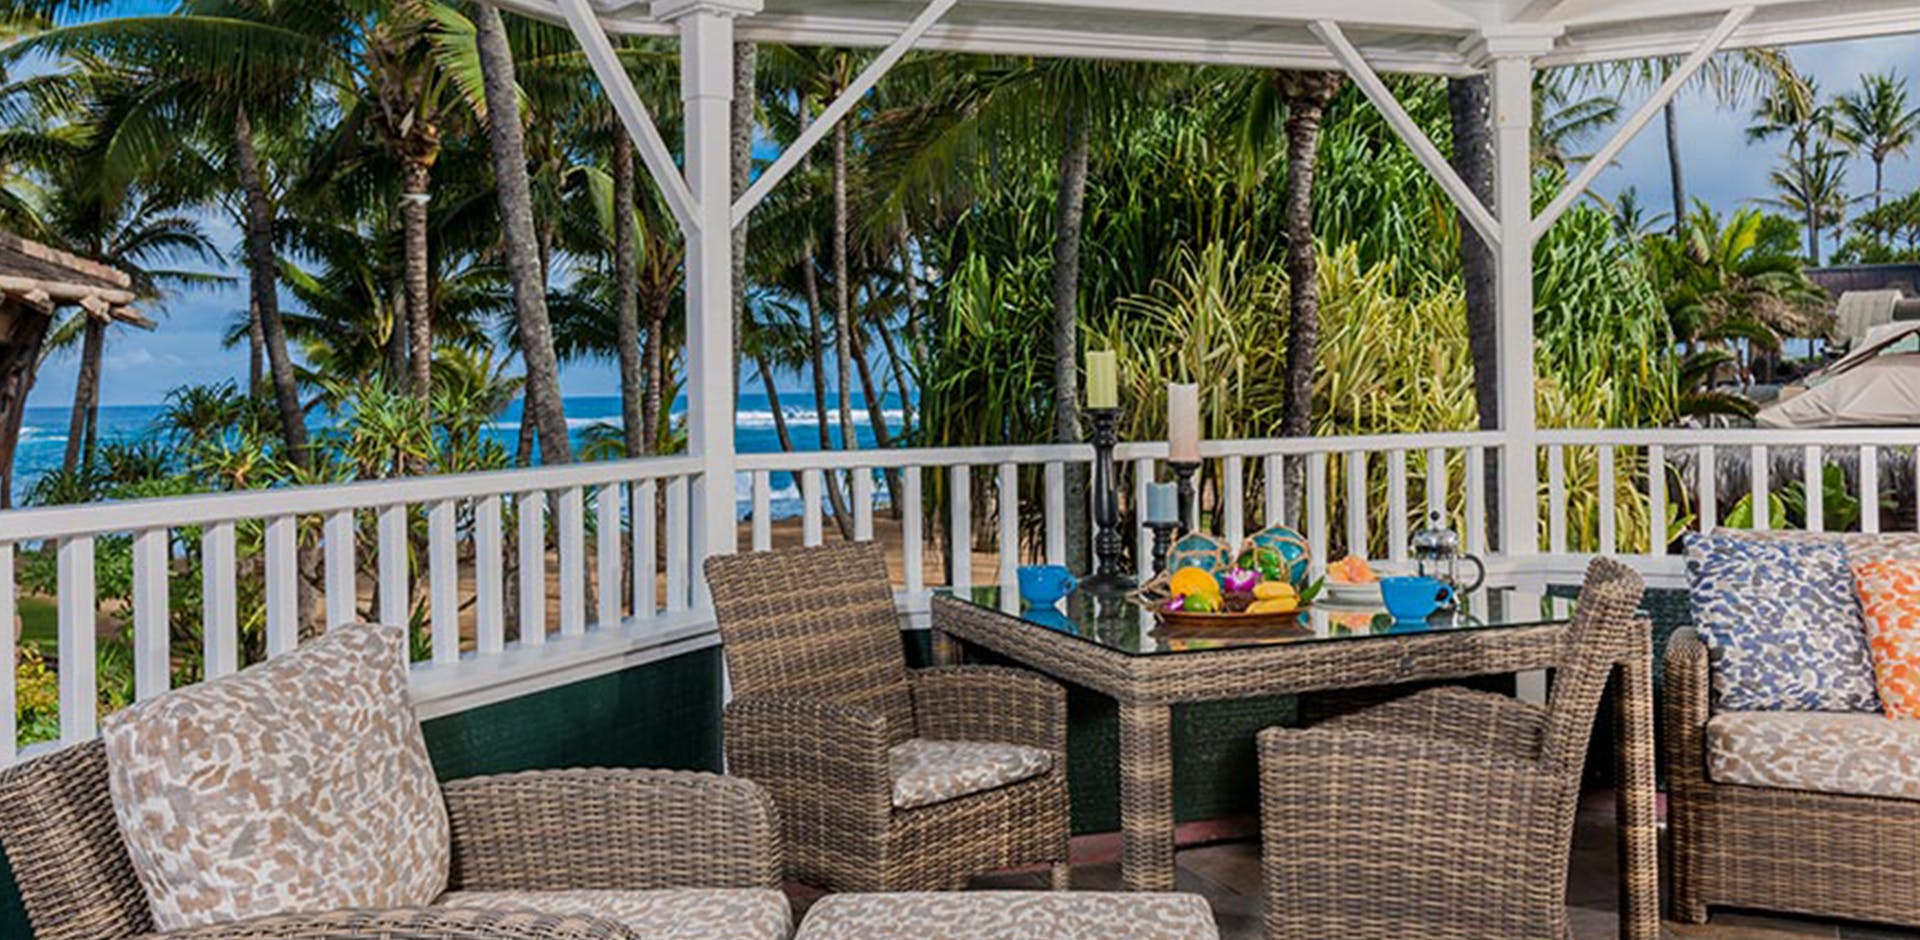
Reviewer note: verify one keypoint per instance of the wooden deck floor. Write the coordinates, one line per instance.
(1228, 873)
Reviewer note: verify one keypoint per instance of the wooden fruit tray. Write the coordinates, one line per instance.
(1182, 620)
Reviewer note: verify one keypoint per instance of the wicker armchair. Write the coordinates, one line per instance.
(1819, 854)
(822, 693)
(626, 830)
(1446, 814)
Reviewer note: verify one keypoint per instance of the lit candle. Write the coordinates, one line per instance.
(1103, 380)
(1163, 503)
(1183, 423)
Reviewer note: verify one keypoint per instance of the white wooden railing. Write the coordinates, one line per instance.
(639, 513)
(447, 548)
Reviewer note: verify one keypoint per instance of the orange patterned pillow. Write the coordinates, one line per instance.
(1890, 598)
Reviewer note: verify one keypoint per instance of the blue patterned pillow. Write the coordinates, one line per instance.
(1782, 624)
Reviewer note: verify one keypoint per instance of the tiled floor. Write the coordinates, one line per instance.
(1228, 873)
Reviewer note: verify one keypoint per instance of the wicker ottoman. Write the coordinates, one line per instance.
(1009, 915)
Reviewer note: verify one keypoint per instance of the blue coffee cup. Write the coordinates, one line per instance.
(1045, 585)
(1415, 598)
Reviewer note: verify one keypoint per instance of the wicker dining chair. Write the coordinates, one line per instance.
(823, 697)
(1446, 814)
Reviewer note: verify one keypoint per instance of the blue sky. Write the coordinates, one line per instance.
(1720, 167)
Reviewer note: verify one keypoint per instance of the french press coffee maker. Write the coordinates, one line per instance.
(1437, 554)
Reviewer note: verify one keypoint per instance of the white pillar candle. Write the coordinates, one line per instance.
(1163, 503)
(1183, 423)
(1103, 380)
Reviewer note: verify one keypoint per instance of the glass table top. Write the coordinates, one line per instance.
(1118, 623)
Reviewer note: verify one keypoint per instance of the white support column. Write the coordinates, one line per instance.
(1510, 61)
(706, 85)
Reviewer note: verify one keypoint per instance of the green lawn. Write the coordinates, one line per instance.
(39, 622)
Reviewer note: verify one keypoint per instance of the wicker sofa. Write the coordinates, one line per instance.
(549, 831)
(1778, 833)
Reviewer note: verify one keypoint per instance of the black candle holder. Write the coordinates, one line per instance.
(1109, 548)
(1162, 544)
(1183, 472)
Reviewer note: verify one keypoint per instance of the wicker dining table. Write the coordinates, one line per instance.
(1114, 647)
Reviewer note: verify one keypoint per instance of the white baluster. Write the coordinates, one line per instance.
(1707, 469)
(1758, 471)
(912, 531)
(1869, 488)
(1477, 501)
(1437, 482)
(606, 544)
(810, 525)
(1606, 480)
(343, 582)
(763, 511)
(1813, 487)
(960, 527)
(571, 525)
(862, 503)
(1656, 500)
(1356, 471)
(77, 606)
(219, 601)
(283, 584)
(489, 577)
(1055, 478)
(443, 580)
(646, 549)
(1316, 499)
(1397, 537)
(9, 609)
(396, 601)
(1007, 497)
(1556, 500)
(152, 659)
(1275, 510)
(532, 536)
(679, 565)
(1233, 498)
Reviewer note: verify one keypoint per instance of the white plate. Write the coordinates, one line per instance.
(1351, 595)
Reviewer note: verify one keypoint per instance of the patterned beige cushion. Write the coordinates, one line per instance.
(1009, 915)
(676, 914)
(298, 785)
(1856, 753)
(926, 772)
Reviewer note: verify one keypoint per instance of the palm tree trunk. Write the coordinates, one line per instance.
(508, 142)
(1879, 179)
(876, 413)
(655, 369)
(263, 280)
(256, 350)
(1473, 160)
(417, 184)
(746, 62)
(626, 276)
(86, 395)
(1069, 215)
(843, 321)
(1306, 95)
(773, 401)
(1676, 179)
(397, 339)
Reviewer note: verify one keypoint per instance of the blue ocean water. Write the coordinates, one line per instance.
(43, 435)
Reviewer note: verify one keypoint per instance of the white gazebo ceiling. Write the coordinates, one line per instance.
(1433, 36)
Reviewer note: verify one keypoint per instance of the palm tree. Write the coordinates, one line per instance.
(1721, 284)
(507, 137)
(1306, 95)
(1878, 120)
(1812, 185)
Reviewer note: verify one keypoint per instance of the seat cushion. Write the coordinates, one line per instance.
(1824, 752)
(926, 772)
(1782, 624)
(298, 785)
(1890, 598)
(672, 914)
(1009, 915)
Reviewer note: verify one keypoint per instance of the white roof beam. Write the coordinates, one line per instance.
(1605, 155)
(838, 110)
(633, 112)
(1469, 204)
